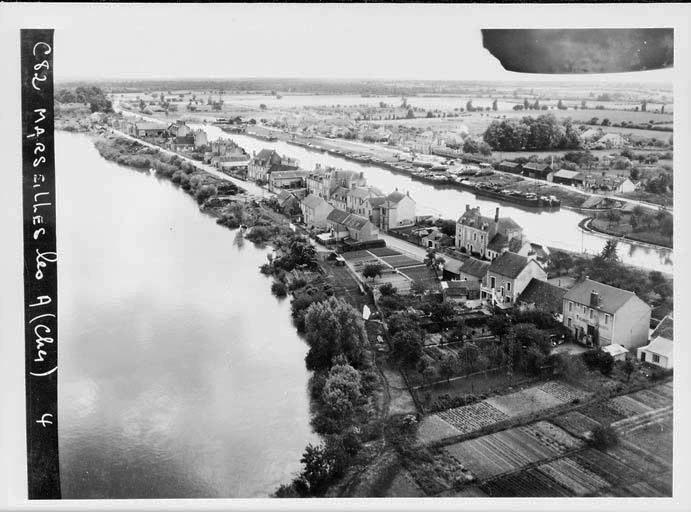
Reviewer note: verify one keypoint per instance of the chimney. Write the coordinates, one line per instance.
(594, 299)
(496, 215)
(467, 207)
(407, 192)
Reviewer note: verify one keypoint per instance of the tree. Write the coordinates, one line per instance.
(407, 347)
(644, 106)
(603, 437)
(498, 325)
(428, 374)
(605, 122)
(448, 227)
(262, 106)
(318, 469)
(447, 366)
(494, 105)
(560, 105)
(471, 145)
(341, 393)
(469, 354)
(628, 368)
(440, 312)
(333, 327)
(388, 289)
(469, 106)
(372, 271)
(417, 287)
(609, 251)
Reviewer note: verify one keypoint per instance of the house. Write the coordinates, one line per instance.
(145, 130)
(200, 138)
(267, 161)
(625, 186)
(508, 166)
(542, 296)
(567, 177)
(536, 170)
(392, 211)
(474, 232)
(659, 350)
(339, 198)
(500, 244)
(179, 129)
(507, 276)
(459, 291)
(452, 268)
(598, 314)
(315, 211)
(182, 143)
(357, 200)
(473, 271)
(288, 203)
(350, 225)
(323, 182)
(286, 180)
(434, 239)
(617, 352)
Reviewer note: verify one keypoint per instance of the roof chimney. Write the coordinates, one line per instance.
(594, 299)
(467, 207)
(496, 215)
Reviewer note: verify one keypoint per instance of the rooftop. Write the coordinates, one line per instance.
(508, 264)
(610, 298)
(545, 296)
(476, 268)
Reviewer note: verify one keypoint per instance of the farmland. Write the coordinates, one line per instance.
(552, 457)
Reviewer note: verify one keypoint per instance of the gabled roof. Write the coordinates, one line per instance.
(354, 221)
(149, 126)
(473, 267)
(545, 296)
(337, 216)
(508, 163)
(364, 192)
(535, 166)
(567, 174)
(610, 298)
(395, 197)
(661, 346)
(311, 201)
(287, 174)
(664, 329)
(453, 265)
(508, 264)
(376, 201)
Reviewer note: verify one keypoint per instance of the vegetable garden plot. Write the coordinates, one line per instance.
(499, 453)
(605, 466)
(524, 402)
(646, 458)
(657, 438)
(470, 492)
(472, 417)
(602, 413)
(552, 436)
(651, 399)
(575, 423)
(571, 475)
(383, 251)
(562, 391)
(356, 255)
(627, 405)
(638, 490)
(529, 483)
(400, 261)
(423, 275)
(433, 428)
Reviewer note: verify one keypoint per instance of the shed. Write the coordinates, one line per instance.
(616, 351)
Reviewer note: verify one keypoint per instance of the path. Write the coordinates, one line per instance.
(251, 188)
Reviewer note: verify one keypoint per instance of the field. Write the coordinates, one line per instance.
(512, 449)
(527, 401)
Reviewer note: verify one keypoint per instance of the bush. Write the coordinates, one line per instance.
(279, 289)
(388, 289)
(604, 437)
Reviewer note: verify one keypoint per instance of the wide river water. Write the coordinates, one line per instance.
(556, 229)
(180, 374)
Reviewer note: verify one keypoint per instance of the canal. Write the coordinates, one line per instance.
(555, 229)
(181, 376)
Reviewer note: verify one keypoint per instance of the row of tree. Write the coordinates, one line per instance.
(91, 95)
(542, 132)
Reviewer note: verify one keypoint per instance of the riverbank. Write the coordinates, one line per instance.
(650, 238)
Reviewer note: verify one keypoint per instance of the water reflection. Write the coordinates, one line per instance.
(172, 381)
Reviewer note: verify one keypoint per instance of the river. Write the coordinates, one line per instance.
(555, 229)
(181, 376)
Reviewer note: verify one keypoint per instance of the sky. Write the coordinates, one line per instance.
(405, 41)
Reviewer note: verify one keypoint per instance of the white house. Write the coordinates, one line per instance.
(659, 350)
(315, 211)
(392, 211)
